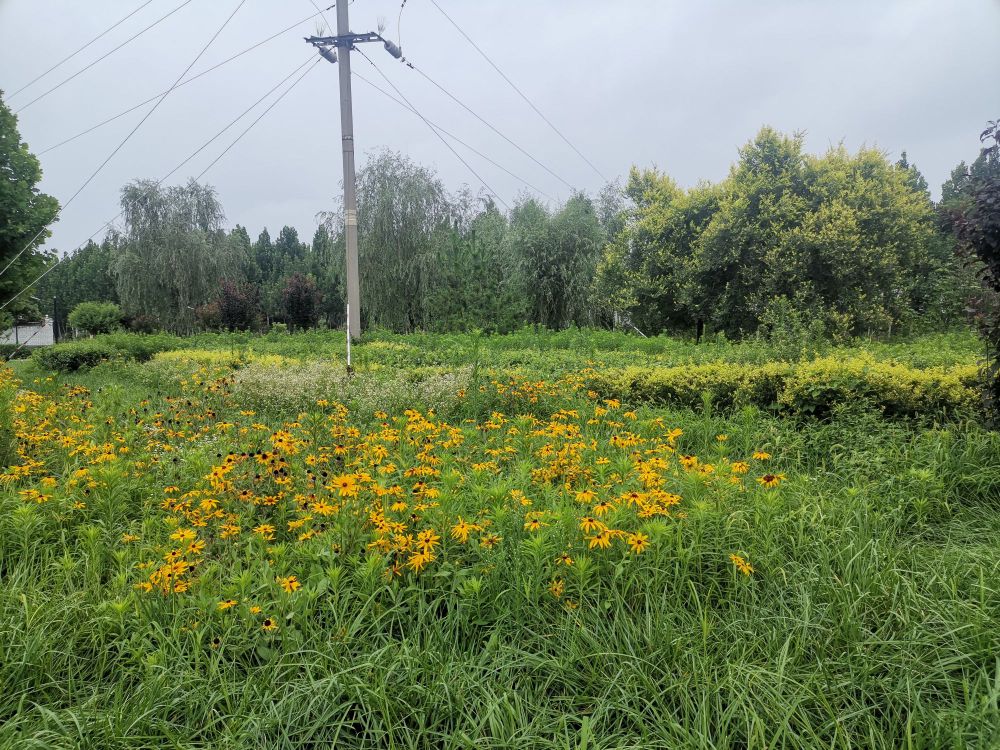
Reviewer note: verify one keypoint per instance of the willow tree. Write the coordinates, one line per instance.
(173, 252)
(403, 213)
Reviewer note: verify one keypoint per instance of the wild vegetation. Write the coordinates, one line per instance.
(226, 541)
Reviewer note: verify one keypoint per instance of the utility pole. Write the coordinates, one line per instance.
(350, 184)
(345, 41)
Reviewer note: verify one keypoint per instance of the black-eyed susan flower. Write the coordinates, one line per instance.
(770, 480)
(637, 542)
(741, 564)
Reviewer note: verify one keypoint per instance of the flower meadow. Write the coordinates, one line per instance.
(202, 551)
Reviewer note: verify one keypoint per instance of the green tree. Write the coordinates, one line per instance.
(173, 252)
(845, 239)
(301, 300)
(25, 214)
(96, 317)
(978, 230)
(83, 276)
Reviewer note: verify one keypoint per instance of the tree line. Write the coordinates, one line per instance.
(850, 242)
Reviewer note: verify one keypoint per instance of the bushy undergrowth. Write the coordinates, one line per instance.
(236, 548)
(805, 389)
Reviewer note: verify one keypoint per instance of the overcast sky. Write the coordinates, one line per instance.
(680, 85)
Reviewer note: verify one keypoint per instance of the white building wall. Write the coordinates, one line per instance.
(29, 335)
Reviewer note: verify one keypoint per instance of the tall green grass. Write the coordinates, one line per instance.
(873, 620)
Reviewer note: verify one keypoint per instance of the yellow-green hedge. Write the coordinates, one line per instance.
(810, 388)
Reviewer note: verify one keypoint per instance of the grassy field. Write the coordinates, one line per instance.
(536, 540)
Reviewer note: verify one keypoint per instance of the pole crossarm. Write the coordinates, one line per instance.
(345, 40)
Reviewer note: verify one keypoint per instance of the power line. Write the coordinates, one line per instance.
(182, 83)
(129, 136)
(106, 54)
(453, 137)
(520, 93)
(81, 49)
(108, 223)
(485, 122)
(249, 127)
(433, 130)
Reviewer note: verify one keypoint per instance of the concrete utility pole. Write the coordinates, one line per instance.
(346, 40)
(350, 184)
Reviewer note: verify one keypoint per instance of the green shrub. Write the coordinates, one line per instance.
(75, 355)
(8, 389)
(96, 317)
(811, 388)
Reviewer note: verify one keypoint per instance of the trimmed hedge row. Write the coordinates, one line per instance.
(812, 388)
(75, 355)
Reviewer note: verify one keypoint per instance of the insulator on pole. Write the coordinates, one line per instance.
(393, 49)
(328, 53)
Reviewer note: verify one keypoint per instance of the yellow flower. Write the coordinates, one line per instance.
(290, 584)
(462, 529)
(564, 559)
(419, 560)
(265, 530)
(722, 438)
(602, 509)
(255, 610)
(601, 539)
(761, 456)
(742, 565)
(770, 480)
(227, 604)
(638, 542)
(740, 467)
(428, 540)
(269, 625)
(557, 587)
(588, 524)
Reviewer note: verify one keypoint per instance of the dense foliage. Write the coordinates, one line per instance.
(843, 243)
(977, 221)
(96, 317)
(847, 240)
(25, 214)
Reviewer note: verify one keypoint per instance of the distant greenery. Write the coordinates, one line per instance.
(844, 244)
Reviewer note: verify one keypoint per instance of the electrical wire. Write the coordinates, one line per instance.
(183, 83)
(433, 130)
(520, 93)
(270, 107)
(102, 57)
(128, 137)
(399, 24)
(326, 20)
(453, 136)
(108, 223)
(485, 122)
(71, 55)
